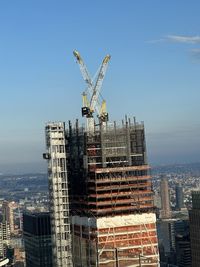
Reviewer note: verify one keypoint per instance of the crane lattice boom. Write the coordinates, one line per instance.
(94, 104)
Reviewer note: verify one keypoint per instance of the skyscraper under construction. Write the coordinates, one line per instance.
(104, 168)
(113, 219)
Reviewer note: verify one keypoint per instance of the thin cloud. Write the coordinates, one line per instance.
(183, 39)
(177, 39)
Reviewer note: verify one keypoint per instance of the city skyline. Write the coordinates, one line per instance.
(155, 50)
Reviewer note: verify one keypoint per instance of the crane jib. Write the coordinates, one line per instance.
(93, 104)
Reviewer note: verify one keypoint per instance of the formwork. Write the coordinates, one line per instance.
(111, 197)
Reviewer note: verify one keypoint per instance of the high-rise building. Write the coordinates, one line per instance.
(4, 238)
(194, 217)
(58, 194)
(183, 250)
(174, 241)
(179, 197)
(7, 213)
(37, 239)
(166, 237)
(165, 199)
(111, 197)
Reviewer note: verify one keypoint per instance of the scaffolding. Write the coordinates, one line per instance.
(109, 178)
(96, 241)
(108, 170)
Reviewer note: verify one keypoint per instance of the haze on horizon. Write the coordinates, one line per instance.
(153, 73)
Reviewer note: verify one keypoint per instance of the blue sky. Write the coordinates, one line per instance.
(153, 73)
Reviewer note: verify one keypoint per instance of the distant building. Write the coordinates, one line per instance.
(4, 262)
(157, 200)
(37, 240)
(165, 199)
(7, 213)
(174, 242)
(179, 197)
(182, 243)
(19, 257)
(194, 216)
(183, 251)
(4, 238)
(18, 251)
(166, 239)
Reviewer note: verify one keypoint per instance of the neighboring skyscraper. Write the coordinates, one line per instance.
(37, 240)
(111, 197)
(194, 216)
(165, 199)
(174, 239)
(179, 197)
(166, 237)
(58, 194)
(183, 250)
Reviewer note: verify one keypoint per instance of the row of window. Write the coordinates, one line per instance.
(58, 148)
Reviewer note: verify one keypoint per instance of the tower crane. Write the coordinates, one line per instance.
(93, 103)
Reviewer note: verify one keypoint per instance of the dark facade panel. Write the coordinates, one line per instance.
(37, 240)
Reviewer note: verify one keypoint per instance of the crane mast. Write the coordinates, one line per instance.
(93, 104)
